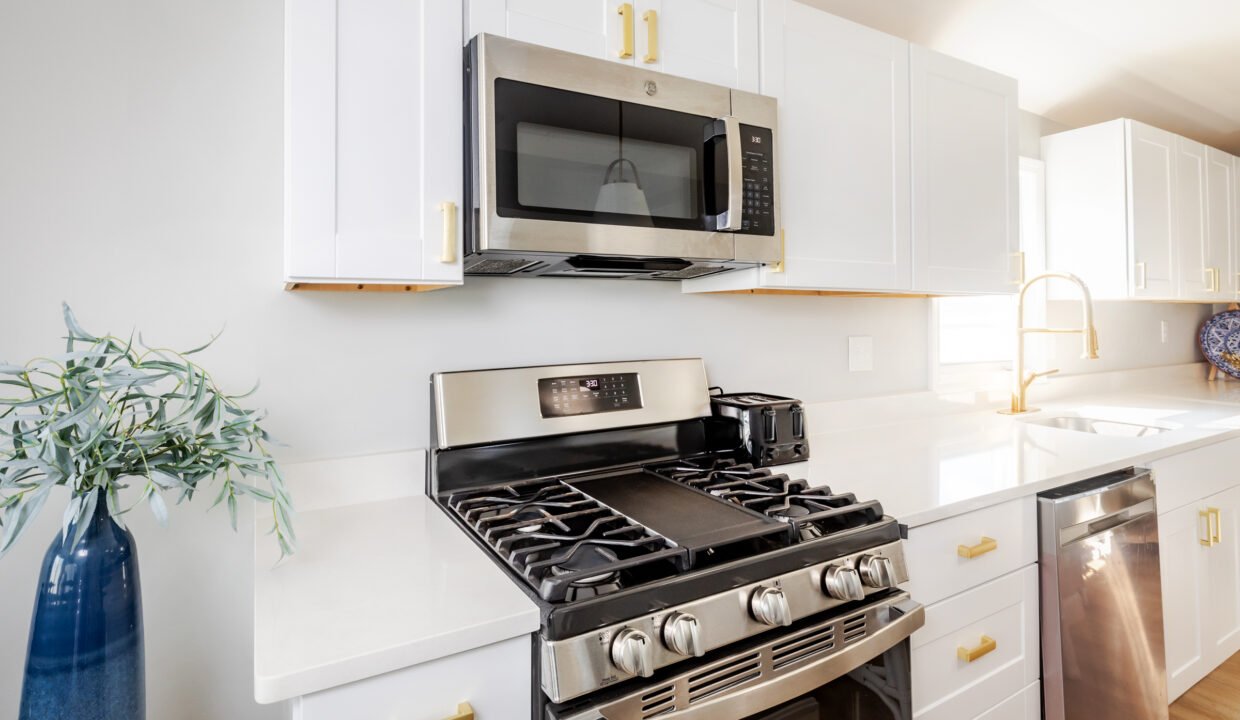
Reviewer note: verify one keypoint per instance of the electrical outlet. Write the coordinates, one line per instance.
(1162, 330)
(860, 353)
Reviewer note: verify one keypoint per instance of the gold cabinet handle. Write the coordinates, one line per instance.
(1020, 267)
(447, 254)
(1215, 279)
(968, 552)
(652, 36)
(987, 646)
(464, 711)
(626, 14)
(1140, 271)
(778, 266)
(1214, 526)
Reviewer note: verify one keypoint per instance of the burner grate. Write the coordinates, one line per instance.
(565, 544)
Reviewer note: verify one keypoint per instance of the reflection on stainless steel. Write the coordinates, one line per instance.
(1102, 632)
(759, 678)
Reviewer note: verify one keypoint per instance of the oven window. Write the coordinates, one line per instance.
(568, 156)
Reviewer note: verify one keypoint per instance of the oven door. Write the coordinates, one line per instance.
(854, 666)
(576, 155)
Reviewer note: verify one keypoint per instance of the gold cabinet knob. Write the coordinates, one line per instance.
(464, 711)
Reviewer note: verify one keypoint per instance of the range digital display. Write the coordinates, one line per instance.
(588, 394)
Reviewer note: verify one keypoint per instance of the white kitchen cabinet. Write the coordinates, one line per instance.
(1141, 213)
(849, 116)
(1198, 498)
(977, 648)
(493, 679)
(373, 142)
(1024, 705)
(713, 41)
(1182, 563)
(966, 224)
(1221, 207)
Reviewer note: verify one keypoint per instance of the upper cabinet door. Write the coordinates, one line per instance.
(843, 148)
(587, 27)
(965, 187)
(1220, 222)
(1195, 277)
(373, 138)
(1151, 211)
(715, 41)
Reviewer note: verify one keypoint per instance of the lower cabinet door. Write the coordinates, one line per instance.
(977, 649)
(1222, 596)
(1024, 705)
(1182, 563)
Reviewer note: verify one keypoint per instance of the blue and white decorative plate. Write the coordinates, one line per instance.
(1220, 341)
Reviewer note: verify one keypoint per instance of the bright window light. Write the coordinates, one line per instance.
(976, 329)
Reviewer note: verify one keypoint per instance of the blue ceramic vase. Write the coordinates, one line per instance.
(85, 660)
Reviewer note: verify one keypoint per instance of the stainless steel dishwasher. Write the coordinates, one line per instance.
(1102, 627)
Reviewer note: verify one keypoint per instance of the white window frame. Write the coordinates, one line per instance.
(993, 375)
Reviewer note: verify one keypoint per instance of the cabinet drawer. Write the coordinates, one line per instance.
(1190, 476)
(1024, 705)
(937, 570)
(1003, 614)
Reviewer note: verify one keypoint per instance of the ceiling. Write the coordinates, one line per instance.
(1172, 64)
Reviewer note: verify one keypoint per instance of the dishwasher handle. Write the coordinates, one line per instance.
(1106, 523)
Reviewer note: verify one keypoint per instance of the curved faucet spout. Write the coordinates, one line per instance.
(1089, 337)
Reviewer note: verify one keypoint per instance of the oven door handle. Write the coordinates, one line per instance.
(730, 219)
(905, 618)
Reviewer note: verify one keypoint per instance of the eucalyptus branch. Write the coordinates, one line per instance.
(116, 412)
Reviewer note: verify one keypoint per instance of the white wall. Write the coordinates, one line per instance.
(140, 170)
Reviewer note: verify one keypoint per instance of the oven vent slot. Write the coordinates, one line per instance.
(718, 679)
(854, 629)
(803, 646)
(659, 701)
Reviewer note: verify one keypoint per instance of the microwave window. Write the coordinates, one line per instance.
(574, 157)
(568, 169)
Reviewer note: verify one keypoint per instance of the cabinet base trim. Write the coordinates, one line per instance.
(363, 287)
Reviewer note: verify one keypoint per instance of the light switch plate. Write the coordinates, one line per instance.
(860, 353)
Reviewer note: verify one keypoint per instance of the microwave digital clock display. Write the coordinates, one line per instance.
(588, 394)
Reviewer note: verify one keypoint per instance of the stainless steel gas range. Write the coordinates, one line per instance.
(676, 578)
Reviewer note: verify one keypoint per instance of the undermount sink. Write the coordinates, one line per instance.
(1099, 427)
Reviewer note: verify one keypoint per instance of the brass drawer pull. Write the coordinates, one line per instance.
(987, 646)
(626, 15)
(464, 711)
(968, 552)
(652, 36)
(447, 254)
(1216, 537)
(1208, 540)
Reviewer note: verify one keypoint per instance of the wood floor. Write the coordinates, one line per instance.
(1217, 697)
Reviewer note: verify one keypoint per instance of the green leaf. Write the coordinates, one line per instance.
(17, 517)
(158, 508)
(85, 512)
(75, 331)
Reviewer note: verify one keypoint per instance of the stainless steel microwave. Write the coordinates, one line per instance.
(577, 166)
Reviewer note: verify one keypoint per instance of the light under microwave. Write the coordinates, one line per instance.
(580, 167)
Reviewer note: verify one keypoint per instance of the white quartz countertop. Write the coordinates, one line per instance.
(392, 582)
(935, 467)
(375, 587)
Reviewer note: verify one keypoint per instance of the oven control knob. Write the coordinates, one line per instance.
(632, 652)
(770, 606)
(680, 634)
(877, 571)
(842, 583)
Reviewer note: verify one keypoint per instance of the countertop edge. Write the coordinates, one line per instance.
(270, 689)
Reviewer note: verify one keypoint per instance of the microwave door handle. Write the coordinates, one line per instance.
(730, 219)
(736, 169)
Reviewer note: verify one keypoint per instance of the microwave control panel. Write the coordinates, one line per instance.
(758, 155)
(585, 395)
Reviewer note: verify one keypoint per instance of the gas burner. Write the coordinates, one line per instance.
(564, 543)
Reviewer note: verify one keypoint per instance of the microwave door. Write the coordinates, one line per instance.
(576, 173)
(726, 191)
